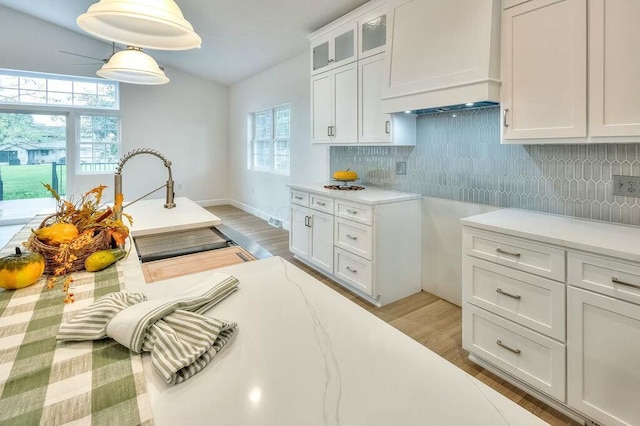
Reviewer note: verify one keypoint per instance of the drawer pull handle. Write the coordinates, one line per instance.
(509, 253)
(320, 203)
(297, 198)
(515, 351)
(515, 296)
(617, 281)
(351, 237)
(348, 268)
(352, 211)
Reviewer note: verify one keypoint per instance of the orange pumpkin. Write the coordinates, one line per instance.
(21, 269)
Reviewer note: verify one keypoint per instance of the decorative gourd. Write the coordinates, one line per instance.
(101, 259)
(21, 269)
(57, 233)
(345, 175)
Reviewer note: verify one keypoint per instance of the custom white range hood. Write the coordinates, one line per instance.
(442, 53)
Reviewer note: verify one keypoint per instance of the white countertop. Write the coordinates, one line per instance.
(305, 355)
(622, 241)
(150, 217)
(369, 195)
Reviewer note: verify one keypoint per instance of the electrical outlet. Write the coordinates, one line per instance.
(179, 186)
(401, 168)
(627, 186)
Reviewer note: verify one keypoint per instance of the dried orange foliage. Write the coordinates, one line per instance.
(89, 217)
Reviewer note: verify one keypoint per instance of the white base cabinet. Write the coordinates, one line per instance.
(528, 277)
(604, 357)
(311, 231)
(369, 243)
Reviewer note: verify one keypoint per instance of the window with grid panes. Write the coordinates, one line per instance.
(271, 133)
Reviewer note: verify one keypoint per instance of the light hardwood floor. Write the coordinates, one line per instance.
(434, 322)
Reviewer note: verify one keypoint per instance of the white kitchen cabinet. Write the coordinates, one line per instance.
(604, 349)
(441, 52)
(373, 242)
(335, 48)
(614, 68)
(372, 36)
(544, 70)
(334, 105)
(546, 96)
(514, 312)
(311, 230)
(374, 125)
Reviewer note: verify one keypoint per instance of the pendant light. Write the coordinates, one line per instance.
(151, 24)
(133, 66)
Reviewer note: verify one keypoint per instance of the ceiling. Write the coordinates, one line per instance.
(239, 37)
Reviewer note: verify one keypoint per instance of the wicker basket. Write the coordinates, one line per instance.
(100, 241)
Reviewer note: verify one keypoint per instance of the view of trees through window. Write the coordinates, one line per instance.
(32, 152)
(33, 138)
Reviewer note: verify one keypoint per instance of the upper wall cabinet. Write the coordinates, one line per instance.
(441, 52)
(372, 37)
(546, 96)
(544, 69)
(346, 106)
(614, 68)
(334, 49)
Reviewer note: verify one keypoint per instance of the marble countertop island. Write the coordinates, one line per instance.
(305, 355)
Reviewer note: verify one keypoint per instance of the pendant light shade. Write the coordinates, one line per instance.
(133, 66)
(151, 24)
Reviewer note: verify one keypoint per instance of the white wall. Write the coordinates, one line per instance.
(266, 194)
(186, 120)
(442, 245)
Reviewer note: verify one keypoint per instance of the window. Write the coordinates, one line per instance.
(271, 132)
(99, 143)
(33, 88)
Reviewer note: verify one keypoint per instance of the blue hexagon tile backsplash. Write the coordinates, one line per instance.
(459, 157)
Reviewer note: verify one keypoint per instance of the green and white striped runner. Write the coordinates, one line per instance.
(45, 382)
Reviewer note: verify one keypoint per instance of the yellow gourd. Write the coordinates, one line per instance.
(101, 259)
(57, 233)
(345, 175)
(21, 269)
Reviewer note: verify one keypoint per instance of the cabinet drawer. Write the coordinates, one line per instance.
(356, 212)
(539, 259)
(354, 237)
(321, 203)
(355, 270)
(619, 279)
(525, 354)
(532, 301)
(300, 198)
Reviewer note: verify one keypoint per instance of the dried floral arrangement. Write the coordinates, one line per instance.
(77, 229)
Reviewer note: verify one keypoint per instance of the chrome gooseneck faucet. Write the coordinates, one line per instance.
(118, 196)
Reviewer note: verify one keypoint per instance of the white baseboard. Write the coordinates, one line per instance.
(259, 213)
(210, 203)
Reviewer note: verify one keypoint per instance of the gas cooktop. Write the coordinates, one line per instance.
(345, 187)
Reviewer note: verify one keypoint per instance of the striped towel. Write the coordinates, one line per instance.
(180, 339)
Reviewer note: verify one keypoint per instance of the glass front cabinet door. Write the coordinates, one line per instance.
(334, 49)
(372, 32)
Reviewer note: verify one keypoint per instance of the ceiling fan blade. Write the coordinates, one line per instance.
(83, 56)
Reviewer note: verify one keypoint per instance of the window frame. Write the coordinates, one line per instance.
(73, 113)
(78, 141)
(60, 77)
(272, 141)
